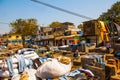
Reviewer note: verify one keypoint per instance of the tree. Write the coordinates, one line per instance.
(113, 14)
(25, 27)
(80, 26)
(55, 24)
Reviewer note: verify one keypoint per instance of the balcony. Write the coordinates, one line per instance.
(47, 37)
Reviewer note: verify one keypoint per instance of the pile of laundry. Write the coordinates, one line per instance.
(27, 65)
(17, 63)
(78, 74)
(93, 60)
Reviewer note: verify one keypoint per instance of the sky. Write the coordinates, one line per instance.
(10, 10)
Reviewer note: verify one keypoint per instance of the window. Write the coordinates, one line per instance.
(49, 33)
(9, 36)
(42, 34)
(67, 33)
(17, 36)
(70, 41)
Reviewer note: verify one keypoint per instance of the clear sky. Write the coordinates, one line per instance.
(10, 10)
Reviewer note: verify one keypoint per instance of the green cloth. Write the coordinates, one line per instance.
(36, 51)
(50, 52)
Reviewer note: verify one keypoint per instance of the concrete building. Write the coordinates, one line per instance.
(45, 37)
(64, 35)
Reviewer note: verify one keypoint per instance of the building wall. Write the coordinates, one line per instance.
(55, 38)
(14, 39)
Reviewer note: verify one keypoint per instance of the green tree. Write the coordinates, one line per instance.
(55, 24)
(113, 14)
(25, 27)
(80, 26)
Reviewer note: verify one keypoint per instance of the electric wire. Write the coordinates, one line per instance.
(61, 9)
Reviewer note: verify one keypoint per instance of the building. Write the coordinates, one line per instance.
(45, 37)
(14, 40)
(3, 39)
(59, 33)
(59, 36)
(72, 36)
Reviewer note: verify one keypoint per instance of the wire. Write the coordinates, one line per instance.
(60, 9)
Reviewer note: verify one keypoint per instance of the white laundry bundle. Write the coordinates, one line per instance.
(53, 68)
(28, 74)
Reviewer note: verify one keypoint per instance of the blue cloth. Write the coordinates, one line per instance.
(98, 59)
(41, 59)
(49, 79)
(102, 64)
(22, 64)
(73, 73)
(48, 55)
(10, 66)
(102, 61)
(3, 47)
(30, 63)
(80, 33)
(63, 78)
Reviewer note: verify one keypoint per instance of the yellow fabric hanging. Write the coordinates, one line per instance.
(104, 33)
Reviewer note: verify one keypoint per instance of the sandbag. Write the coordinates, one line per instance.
(28, 74)
(16, 77)
(6, 73)
(28, 52)
(31, 56)
(21, 51)
(15, 64)
(53, 68)
(28, 56)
